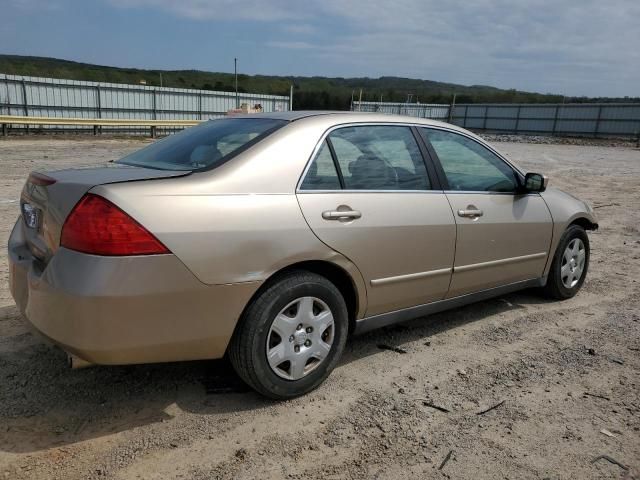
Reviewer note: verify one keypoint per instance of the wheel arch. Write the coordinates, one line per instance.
(344, 281)
(584, 222)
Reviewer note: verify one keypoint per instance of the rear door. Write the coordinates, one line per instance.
(367, 195)
(503, 236)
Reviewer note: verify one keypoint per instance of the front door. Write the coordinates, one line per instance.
(503, 236)
(367, 195)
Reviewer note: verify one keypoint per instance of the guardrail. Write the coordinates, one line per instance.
(6, 120)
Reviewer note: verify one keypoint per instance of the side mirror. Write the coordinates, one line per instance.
(535, 182)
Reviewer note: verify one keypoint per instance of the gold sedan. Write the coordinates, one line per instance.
(272, 237)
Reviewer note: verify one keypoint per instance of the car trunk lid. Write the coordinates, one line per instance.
(48, 200)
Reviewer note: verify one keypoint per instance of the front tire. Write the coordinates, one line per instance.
(291, 336)
(570, 264)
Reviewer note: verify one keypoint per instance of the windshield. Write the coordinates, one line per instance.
(204, 146)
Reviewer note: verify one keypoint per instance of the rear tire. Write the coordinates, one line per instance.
(291, 336)
(570, 264)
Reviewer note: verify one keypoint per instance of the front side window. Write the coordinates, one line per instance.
(468, 165)
(379, 158)
(204, 146)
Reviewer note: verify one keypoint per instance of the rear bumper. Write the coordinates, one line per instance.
(122, 310)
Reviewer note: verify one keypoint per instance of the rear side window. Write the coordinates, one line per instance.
(374, 157)
(204, 146)
(322, 174)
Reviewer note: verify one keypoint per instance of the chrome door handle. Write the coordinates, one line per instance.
(341, 214)
(470, 213)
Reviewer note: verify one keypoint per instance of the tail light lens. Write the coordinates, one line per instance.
(97, 226)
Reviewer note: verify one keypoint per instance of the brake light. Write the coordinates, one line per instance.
(97, 226)
(40, 179)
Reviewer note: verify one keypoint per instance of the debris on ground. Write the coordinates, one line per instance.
(610, 460)
(384, 346)
(493, 407)
(446, 459)
(427, 403)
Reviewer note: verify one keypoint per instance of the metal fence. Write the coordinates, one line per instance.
(580, 119)
(423, 110)
(51, 97)
(583, 119)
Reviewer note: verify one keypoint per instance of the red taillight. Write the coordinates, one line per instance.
(40, 179)
(97, 226)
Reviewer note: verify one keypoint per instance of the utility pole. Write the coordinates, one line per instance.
(360, 101)
(235, 72)
(160, 79)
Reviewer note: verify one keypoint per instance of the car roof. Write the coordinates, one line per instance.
(345, 117)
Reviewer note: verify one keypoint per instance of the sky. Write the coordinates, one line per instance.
(570, 47)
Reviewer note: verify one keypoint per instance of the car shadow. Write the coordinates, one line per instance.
(44, 404)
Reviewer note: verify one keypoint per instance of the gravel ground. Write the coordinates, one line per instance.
(556, 140)
(560, 373)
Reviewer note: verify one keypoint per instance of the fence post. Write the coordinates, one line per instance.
(5, 130)
(464, 122)
(451, 108)
(25, 104)
(154, 105)
(97, 128)
(153, 131)
(291, 97)
(595, 134)
(486, 114)
(517, 120)
(200, 106)
(555, 121)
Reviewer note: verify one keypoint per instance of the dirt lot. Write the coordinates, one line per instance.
(566, 371)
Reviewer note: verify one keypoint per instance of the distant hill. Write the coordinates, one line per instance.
(309, 92)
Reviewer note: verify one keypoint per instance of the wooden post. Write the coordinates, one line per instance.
(5, 130)
(153, 131)
(517, 120)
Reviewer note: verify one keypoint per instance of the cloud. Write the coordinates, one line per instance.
(572, 46)
(300, 28)
(222, 10)
(292, 45)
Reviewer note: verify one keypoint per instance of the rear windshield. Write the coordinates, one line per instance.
(204, 146)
